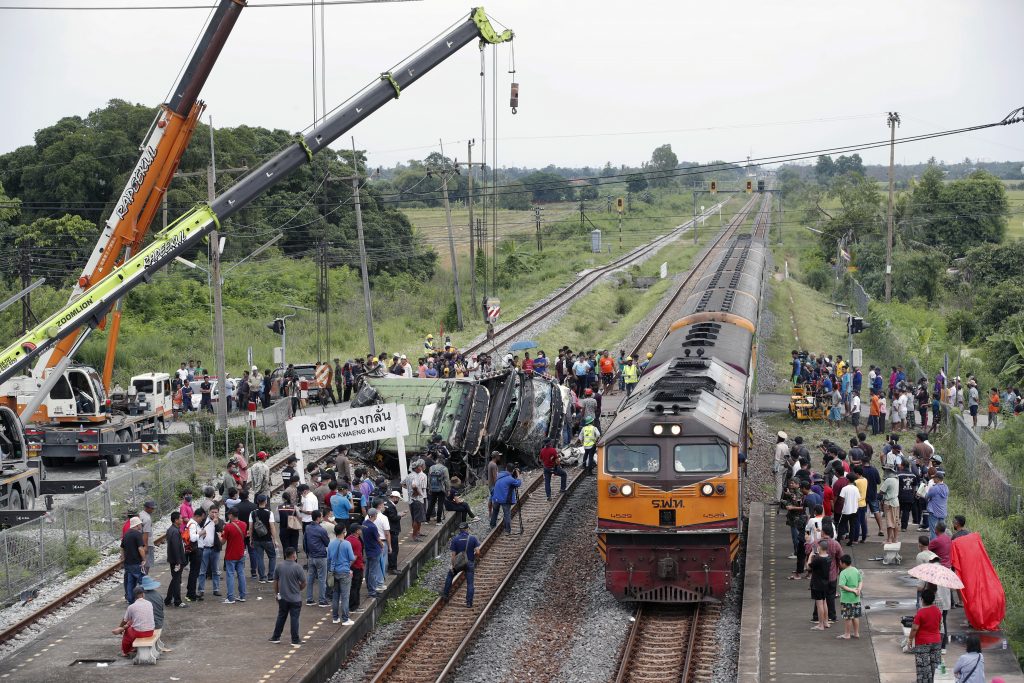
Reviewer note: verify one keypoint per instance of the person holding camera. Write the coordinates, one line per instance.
(503, 496)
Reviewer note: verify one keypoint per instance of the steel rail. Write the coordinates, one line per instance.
(560, 298)
(70, 596)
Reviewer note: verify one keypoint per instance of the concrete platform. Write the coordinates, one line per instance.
(213, 642)
(776, 642)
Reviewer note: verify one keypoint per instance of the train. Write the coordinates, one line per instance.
(670, 466)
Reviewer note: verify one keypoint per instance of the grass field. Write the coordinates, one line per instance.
(1015, 228)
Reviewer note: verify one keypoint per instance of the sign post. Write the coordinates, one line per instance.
(355, 425)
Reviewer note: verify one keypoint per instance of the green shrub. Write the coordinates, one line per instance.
(78, 558)
(962, 325)
(817, 277)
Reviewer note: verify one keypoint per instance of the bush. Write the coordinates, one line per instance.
(962, 325)
(78, 558)
(817, 277)
(623, 304)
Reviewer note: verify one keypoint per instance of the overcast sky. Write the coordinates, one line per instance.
(599, 81)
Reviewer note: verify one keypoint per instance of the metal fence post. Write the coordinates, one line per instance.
(7, 565)
(88, 521)
(65, 525)
(42, 546)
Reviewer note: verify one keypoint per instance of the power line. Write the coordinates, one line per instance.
(115, 8)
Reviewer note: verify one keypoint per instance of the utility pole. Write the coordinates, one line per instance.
(451, 245)
(483, 247)
(536, 216)
(893, 120)
(218, 303)
(472, 226)
(25, 266)
(362, 249)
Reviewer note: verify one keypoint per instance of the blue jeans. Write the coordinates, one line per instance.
(236, 575)
(340, 598)
(260, 547)
(209, 561)
(548, 471)
(318, 573)
(932, 523)
(132, 578)
(861, 527)
(284, 610)
(374, 577)
(506, 511)
(468, 571)
(629, 388)
(797, 535)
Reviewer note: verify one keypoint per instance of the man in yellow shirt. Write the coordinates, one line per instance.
(860, 528)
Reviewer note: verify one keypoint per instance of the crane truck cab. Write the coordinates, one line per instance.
(21, 475)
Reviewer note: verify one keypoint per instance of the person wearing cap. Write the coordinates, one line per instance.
(150, 586)
(133, 555)
(780, 466)
(588, 406)
(147, 531)
(261, 541)
(890, 494)
(463, 542)
(394, 517)
(589, 436)
(259, 475)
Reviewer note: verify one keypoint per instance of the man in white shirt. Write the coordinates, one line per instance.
(416, 484)
(307, 503)
(406, 367)
(849, 498)
(384, 528)
(855, 410)
(209, 545)
(781, 464)
(182, 373)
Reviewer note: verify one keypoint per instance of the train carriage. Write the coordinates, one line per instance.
(670, 480)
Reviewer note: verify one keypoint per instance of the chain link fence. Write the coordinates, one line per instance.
(985, 483)
(70, 537)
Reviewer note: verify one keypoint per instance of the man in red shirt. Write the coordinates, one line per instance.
(233, 537)
(607, 366)
(840, 482)
(355, 538)
(549, 458)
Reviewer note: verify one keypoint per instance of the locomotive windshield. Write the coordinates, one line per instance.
(634, 458)
(701, 457)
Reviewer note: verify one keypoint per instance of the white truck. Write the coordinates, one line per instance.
(21, 478)
(78, 420)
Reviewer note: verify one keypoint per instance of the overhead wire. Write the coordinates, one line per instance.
(115, 8)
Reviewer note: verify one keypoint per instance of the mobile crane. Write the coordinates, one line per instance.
(186, 232)
(68, 404)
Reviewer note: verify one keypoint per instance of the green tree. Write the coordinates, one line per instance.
(860, 211)
(824, 169)
(514, 196)
(636, 182)
(663, 161)
(849, 164)
(958, 215)
(58, 243)
(547, 187)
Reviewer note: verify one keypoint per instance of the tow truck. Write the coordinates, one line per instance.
(68, 407)
(21, 478)
(90, 309)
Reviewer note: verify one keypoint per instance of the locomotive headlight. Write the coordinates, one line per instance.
(676, 430)
(626, 490)
(658, 429)
(707, 489)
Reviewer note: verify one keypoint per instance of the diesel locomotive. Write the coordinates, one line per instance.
(670, 466)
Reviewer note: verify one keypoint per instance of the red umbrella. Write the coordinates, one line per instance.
(934, 572)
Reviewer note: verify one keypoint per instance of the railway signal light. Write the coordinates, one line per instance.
(277, 326)
(714, 187)
(856, 324)
(620, 204)
(760, 186)
(750, 186)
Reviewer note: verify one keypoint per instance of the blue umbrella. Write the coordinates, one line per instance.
(522, 345)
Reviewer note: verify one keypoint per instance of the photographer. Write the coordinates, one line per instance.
(504, 495)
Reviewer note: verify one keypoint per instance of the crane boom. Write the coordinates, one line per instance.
(165, 143)
(186, 232)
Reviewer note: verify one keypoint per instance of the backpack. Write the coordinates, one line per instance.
(436, 482)
(258, 527)
(186, 539)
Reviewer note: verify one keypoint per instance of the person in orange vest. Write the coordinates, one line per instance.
(325, 382)
(993, 409)
(874, 413)
(607, 366)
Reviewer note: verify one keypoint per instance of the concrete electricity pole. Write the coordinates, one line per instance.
(893, 120)
(218, 302)
(451, 245)
(362, 249)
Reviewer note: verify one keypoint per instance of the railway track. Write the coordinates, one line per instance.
(438, 642)
(670, 643)
(651, 337)
(80, 590)
(563, 297)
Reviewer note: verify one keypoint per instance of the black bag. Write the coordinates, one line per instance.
(436, 482)
(258, 527)
(461, 560)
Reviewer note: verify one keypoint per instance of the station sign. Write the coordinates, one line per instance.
(355, 425)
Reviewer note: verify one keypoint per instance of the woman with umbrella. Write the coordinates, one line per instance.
(925, 636)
